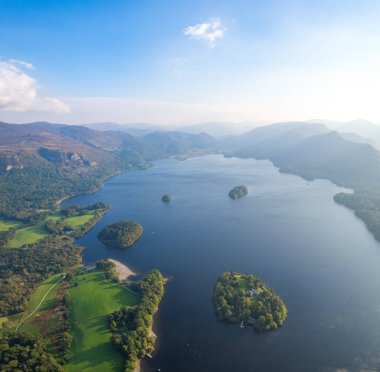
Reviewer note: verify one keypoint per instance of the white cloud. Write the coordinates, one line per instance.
(209, 31)
(123, 110)
(19, 91)
(16, 62)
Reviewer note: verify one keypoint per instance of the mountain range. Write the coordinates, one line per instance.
(41, 163)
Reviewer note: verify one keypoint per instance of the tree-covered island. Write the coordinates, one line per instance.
(166, 198)
(121, 234)
(238, 192)
(245, 298)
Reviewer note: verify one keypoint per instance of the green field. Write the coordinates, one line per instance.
(78, 221)
(54, 217)
(92, 300)
(40, 292)
(30, 325)
(31, 234)
(28, 235)
(6, 225)
(33, 324)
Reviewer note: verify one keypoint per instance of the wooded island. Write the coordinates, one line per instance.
(121, 234)
(245, 298)
(166, 198)
(238, 192)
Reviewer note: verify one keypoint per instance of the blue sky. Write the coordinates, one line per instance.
(188, 61)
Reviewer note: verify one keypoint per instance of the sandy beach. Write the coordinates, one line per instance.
(138, 366)
(123, 271)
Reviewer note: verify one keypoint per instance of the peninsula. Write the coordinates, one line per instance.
(121, 234)
(245, 299)
(238, 192)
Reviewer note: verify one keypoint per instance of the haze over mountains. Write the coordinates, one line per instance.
(215, 129)
(77, 159)
(42, 163)
(357, 130)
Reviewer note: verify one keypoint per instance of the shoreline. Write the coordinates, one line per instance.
(60, 201)
(138, 366)
(122, 270)
(148, 165)
(140, 362)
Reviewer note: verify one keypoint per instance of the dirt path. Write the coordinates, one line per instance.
(42, 300)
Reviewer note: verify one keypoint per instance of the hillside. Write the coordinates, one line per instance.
(278, 135)
(41, 163)
(362, 128)
(329, 155)
(172, 143)
(355, 130)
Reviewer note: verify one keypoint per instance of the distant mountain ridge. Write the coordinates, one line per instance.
(172, 143)
(77, 159)
(277, 135)
(313, 151)
(41, 163)
(366, 130)
(214, 129)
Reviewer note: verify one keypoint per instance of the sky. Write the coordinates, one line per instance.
(182, 62)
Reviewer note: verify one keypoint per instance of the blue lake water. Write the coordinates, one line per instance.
(314, 253)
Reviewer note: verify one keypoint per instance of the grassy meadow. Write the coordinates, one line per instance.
(34, 324)
(28, 235)
(92, 299)
(78, 221)
(31, 234)
(6, 225)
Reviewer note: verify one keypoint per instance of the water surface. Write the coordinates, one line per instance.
(314, 253)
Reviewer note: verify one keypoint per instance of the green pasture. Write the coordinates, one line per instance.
(92, 299)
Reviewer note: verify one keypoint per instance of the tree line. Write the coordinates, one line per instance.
(22, 270)
(130, 326)
(61, 226)
(366, 206)
(20, 352)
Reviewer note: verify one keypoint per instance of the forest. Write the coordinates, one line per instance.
(245, 298)
(131, 325)
(23, 269)
(21, 352)
(39, 184)
(121, 234)
(366, 207)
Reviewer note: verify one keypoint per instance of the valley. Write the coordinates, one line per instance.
(189, 186)
(60, 290)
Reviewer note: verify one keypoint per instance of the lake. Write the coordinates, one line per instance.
(315, 254)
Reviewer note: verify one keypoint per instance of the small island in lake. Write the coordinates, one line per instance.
(121, 234)
(166, 198)
(245, 299)
(238, 192)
